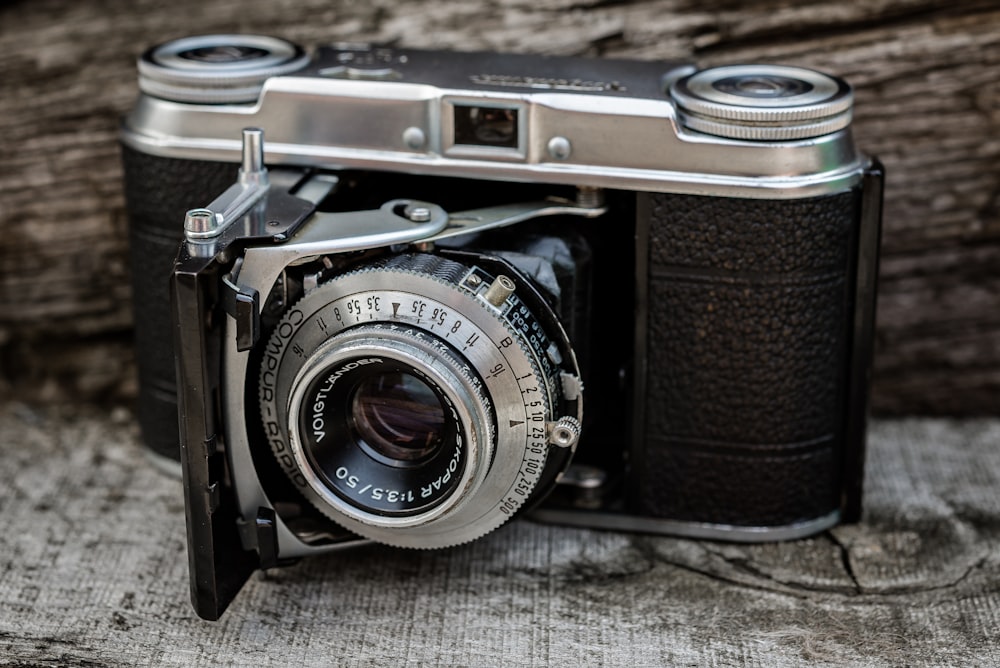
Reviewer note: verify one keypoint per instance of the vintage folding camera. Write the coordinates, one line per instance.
(466, 286)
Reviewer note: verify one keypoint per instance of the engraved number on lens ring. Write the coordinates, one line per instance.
(518, 391)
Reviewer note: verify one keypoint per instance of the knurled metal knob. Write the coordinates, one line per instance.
(565, 432)
(216, 69)
(763, 102)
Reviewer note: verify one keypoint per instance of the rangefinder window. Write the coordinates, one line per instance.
(486, 126)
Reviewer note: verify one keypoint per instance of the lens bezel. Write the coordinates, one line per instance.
(454, 470)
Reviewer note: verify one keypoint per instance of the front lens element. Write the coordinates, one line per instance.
(399, 417)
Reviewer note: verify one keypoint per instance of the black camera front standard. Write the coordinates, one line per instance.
(390, 332)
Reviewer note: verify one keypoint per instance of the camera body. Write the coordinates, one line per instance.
(388, 332)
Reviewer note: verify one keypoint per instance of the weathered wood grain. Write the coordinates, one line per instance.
(94, 573)
(927, 74)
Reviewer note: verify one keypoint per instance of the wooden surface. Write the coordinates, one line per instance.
(927, 74)
(94, 573)
(93, 555)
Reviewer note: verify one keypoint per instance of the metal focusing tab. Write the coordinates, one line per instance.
(763, 102)
(207, 223)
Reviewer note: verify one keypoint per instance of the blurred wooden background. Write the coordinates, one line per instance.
(926, 72)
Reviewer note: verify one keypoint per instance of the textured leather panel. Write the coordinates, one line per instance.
(698, 484)
(746, 358)
(158, 192)
(744, 362)
(754, 236)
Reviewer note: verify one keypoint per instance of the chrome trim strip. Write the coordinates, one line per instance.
(698, 530)
(609, 142)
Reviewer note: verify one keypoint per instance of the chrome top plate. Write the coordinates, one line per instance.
(395, 110)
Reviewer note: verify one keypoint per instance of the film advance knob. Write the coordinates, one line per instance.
(762, 102)
(217, 69)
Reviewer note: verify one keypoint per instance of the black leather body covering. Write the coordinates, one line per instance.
(747, 344)
(158, 192)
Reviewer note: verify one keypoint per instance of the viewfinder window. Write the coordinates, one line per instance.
(486, 126)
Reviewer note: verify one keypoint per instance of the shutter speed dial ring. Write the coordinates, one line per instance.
(434, 402)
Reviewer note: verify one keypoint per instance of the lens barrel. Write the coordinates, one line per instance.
(367, 471)
(412, 406)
